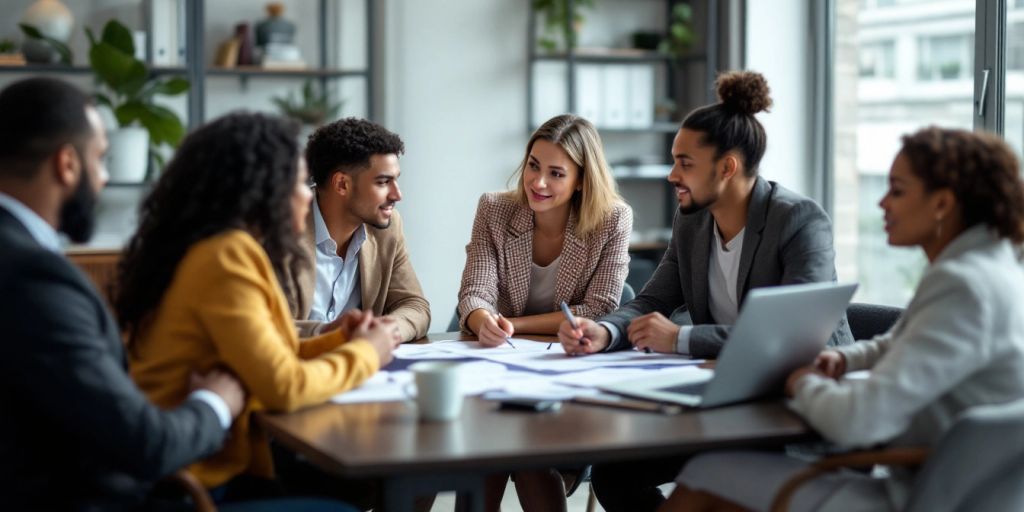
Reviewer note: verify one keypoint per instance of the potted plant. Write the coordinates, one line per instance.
(949, 70)
(128, 89)
(555, 14)
(39, 47)
(680, 32)
(310, 108)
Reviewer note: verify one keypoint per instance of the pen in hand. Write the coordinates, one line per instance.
(508, 339)
(571, 319)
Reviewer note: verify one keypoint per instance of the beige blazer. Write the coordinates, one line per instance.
(387, 281)
(497, 274)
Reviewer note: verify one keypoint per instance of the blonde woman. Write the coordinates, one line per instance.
(561, 235)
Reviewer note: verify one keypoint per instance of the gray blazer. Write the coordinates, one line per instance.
(788, 240)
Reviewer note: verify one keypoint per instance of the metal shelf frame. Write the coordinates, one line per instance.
(196, 71)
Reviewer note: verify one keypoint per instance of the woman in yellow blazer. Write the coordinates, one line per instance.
(561, 235)
(199, 288)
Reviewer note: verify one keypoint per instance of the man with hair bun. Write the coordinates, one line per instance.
(358, 255)
(734, 231)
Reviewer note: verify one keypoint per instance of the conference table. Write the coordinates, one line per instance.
(411, 457)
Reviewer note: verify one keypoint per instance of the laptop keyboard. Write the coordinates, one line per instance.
(694, 388)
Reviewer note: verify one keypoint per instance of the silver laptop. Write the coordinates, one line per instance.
(779, 329)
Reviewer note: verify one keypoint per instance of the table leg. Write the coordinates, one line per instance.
(400, 492)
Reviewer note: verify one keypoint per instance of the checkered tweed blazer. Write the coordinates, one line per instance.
(500, 252)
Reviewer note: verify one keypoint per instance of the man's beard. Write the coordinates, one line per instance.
(694, 207)
(372, 220)
(78, 213)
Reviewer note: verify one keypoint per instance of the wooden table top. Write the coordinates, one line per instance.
(387, 438)
(378, 439)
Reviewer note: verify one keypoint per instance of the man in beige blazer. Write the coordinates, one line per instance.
(357, 257)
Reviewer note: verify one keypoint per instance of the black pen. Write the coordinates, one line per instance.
(626, 403)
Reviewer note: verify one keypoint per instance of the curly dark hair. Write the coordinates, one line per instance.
(236, 172)
(730, 124)
(980, 169)
(346, 145)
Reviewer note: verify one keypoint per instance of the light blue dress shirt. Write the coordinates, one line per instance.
(41, 231)
(337, 279)
(46, 236)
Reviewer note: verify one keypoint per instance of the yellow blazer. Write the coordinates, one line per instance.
(226, 307)
(387, 281)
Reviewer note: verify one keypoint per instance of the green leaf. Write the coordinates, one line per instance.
(129, 113)
(61, 48)
(31, 31)
(170, 87)
(683, 12)
(117, 35)
(91, 36)
(163, 125)
(121, 72)
(103, 99)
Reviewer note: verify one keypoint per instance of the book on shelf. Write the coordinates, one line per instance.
(227, 54)
(12, 59)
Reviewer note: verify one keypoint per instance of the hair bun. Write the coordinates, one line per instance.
(744, 92)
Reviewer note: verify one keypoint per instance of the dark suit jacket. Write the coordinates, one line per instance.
(788, 240)
(76, 433)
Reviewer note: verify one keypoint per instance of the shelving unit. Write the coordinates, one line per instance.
(636, 167)
(197, 71)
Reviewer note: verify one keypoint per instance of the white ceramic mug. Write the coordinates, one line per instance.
(438, 393)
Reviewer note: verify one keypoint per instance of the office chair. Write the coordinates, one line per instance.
(978, 464)
(870, 320)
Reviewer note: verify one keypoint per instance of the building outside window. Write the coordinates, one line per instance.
(945, 57)
(878, 60)
(899, 66)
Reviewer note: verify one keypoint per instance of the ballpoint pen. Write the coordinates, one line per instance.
(507, 339)
(570, 318)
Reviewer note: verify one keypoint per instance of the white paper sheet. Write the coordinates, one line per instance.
(489, 374)
(536, 356)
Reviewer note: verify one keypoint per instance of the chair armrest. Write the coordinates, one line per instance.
(889, 457)
(200, 497)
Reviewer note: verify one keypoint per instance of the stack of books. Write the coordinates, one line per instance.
(12, 59)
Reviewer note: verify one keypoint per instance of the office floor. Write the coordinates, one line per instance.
(445, 502)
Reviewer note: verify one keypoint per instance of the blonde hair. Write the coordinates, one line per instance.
(580, 140)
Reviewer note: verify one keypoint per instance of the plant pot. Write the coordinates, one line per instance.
(128, 156)
(52, 19)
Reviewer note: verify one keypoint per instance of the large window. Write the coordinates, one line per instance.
(896, 68)
(1014, 101)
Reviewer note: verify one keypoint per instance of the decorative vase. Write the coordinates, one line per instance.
(54, 20)
(274, 29)
(128, 156)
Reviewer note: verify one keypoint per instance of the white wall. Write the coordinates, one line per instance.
(778, 45)
(455, 91)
